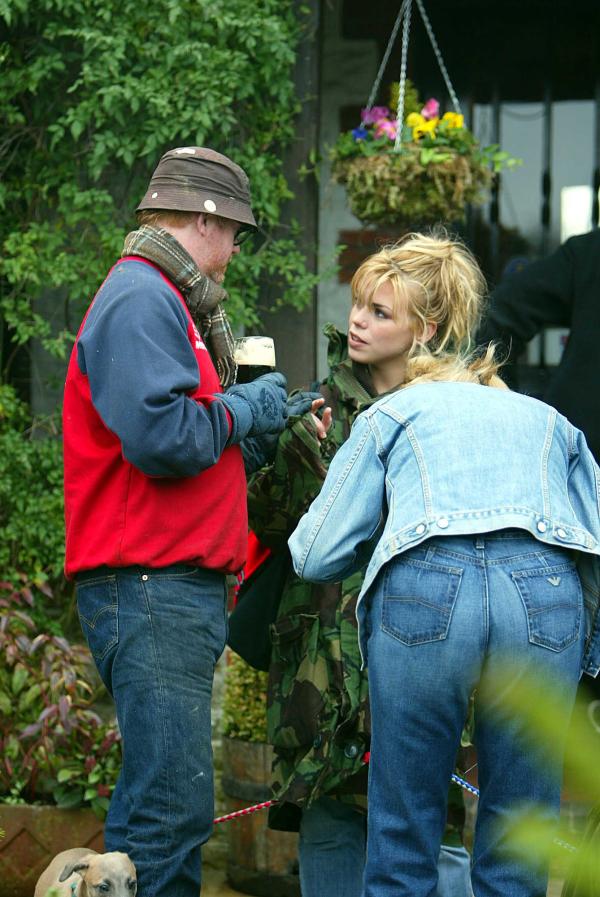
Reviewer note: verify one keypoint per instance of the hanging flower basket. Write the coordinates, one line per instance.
(417, 167)
(431, 175)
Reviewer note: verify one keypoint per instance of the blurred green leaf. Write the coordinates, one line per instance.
(540, 702)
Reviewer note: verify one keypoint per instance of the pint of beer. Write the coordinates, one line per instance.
(254, 355)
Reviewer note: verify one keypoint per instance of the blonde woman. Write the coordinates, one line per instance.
(468, 503)
(318, 712)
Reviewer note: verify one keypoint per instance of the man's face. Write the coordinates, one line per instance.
(218, 246)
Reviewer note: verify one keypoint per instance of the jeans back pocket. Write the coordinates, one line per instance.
(97, 603)
(553, 602)
(419, 598)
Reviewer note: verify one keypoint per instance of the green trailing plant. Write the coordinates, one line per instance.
(437, 169)
(245, 701)
(54, 748)
(87, 111)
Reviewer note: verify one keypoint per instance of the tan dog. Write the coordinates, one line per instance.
(81, 872)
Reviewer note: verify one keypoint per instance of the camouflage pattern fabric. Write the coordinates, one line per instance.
(318, 717)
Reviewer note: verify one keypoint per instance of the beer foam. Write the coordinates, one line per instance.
(258, 351)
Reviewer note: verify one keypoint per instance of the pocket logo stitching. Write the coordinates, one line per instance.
(554, 580)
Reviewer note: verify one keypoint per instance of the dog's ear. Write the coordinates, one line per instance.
(70, 868)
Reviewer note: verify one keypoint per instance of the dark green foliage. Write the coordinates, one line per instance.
(31, 502)
(92, 95)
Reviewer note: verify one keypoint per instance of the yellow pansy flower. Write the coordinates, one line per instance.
(454, 120)
(414, 120)
(426, 127)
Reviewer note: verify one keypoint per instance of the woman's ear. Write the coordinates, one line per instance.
(429, 330)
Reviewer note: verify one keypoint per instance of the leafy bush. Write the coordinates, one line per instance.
(245, 701)
(53, 747)
(31, 499)
(88, 109)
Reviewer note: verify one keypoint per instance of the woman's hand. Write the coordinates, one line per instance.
(322, 423)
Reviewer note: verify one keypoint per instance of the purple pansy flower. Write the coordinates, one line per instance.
(374, 114)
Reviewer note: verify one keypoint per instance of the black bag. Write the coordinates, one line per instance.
(257, 604)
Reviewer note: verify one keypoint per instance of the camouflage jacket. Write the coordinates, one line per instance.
(317, 702)
(317, 705)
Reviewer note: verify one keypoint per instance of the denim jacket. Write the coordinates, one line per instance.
(445, 458)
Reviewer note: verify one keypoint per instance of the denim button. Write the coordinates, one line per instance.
(542, 526)
(351, 750)
(561, 533)
(443, 522)
(420, 529)
(144, 577)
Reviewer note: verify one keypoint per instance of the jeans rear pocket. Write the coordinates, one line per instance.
(97, 603)
(553, 602)
(418, 601)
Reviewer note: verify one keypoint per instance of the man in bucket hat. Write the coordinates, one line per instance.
(155, 498)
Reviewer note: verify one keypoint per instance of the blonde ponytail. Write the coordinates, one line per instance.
(482, 369)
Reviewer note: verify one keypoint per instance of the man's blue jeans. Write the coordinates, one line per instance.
(156, 635)
(333, 848)
(444, 617)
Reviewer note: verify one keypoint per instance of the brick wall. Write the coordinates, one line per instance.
(359, 244)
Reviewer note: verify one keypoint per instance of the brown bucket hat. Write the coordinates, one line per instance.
(198, 179)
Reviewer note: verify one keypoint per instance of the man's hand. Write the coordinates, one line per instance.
(257, 407)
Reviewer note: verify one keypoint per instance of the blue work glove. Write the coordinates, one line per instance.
(260, 450)
(300, 401)
(258, 407)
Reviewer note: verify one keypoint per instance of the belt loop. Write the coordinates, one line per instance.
(479, 541)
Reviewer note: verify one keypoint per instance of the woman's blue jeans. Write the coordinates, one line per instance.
(156, 635)
(443, 618)
(333, 849)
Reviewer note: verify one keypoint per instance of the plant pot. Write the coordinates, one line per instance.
(34, 835)
(397, 189)
(260, 861)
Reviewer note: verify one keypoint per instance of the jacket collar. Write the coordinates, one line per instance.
(352, 380)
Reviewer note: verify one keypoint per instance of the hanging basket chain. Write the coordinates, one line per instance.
(438, 55)
(404, 13)
(402, 84)
(386, 55)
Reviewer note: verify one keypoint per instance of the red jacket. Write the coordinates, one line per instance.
(149, 478)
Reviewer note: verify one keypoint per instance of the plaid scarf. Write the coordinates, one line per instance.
(203, 296)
